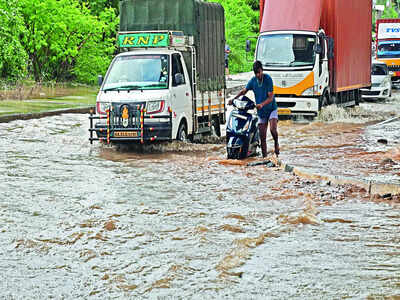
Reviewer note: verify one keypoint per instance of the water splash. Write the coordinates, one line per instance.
(357, 115)
(175, 146)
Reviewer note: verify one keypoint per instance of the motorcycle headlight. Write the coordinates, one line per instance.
(240, 104)
(154, 107)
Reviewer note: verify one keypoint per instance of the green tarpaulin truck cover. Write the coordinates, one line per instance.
(204, 21)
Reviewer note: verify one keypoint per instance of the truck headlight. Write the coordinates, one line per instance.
(154, 107)
(311, 91)
(101, 107)
(385, 82)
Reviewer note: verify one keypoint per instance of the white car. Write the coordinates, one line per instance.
(381, 82)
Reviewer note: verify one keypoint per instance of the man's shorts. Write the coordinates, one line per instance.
(226, 63)
(273, 115)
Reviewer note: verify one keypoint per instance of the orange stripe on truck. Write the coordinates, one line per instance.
(352, 87)
(390, 61)
(212, 107)
(297, 89)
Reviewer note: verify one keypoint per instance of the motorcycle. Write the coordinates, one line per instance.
(241, 132)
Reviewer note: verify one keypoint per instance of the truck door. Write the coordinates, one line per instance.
(181, 92)
(323, 79)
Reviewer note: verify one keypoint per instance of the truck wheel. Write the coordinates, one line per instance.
(323, 101)
(216, 128)
(182, 133)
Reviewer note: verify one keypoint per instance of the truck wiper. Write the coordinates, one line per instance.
(155, 85)
(274, 64)
(124, 87)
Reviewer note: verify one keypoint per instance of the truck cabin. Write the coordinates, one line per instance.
(150, 61)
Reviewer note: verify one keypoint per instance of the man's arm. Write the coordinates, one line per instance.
(267, 101)
(241, 93)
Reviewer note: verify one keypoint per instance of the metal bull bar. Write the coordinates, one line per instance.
(129, 125)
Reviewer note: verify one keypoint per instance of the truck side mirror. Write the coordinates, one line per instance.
(100, 79)
(331, 46)
(248, 45)
(318, 49)
(178, 79)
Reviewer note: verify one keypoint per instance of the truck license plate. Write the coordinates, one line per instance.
(284, 111)
(125, 134)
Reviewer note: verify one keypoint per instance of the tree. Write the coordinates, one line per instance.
(241, 22)
(98, 6)
(96, 55)
(13, 57)
(58, 35)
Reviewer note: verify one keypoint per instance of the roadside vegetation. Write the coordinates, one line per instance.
(241, 23)
(56, 40)
(392, 9)
(75, 40)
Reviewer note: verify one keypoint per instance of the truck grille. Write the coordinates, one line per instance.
(285, 104)
(133, 112)
(370, 93)
(394, 68)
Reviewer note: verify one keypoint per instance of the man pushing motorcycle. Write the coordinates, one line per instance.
(267, 109)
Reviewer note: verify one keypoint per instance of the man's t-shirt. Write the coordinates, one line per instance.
(261, 90)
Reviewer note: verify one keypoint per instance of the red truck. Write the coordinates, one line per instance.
(388, 45)
(318, 52)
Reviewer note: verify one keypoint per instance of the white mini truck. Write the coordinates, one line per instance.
(165, 84)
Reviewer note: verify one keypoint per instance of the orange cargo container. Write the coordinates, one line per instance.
(350, 25)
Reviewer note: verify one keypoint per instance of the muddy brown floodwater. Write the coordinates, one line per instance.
(94, 222)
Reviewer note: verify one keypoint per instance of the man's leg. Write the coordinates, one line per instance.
(274, 132)
(262, 130)
(227, 68)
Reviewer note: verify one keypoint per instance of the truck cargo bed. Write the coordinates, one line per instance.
(204, 21)
(350, 25)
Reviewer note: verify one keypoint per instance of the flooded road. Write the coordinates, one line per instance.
(94, 222)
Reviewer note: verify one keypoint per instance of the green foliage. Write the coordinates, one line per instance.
(241, 22)
(59, 34)
(64, 40)
(96, 55)
(13, 57)
(390, 13)
(98, 6)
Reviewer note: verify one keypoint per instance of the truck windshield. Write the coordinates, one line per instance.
(138, 72)
(389, 49)
(379, 69)
(286, 50)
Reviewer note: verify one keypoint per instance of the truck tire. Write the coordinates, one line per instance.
(182, 133)
(323, 101)
(216, 128)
